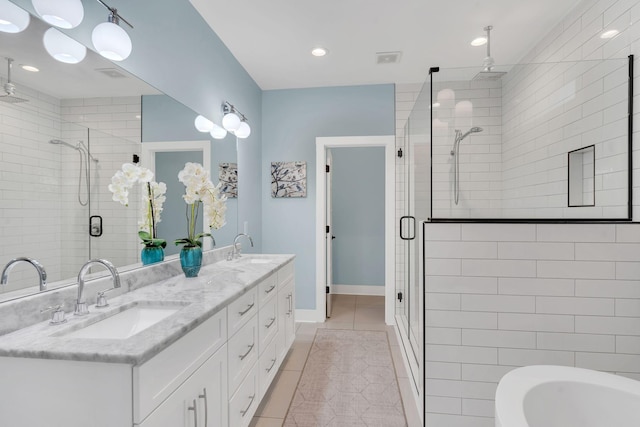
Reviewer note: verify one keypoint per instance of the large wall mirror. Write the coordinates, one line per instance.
(64, 132)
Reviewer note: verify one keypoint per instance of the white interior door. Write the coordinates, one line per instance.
(329, 235)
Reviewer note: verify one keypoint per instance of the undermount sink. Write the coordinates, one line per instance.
(125, 323)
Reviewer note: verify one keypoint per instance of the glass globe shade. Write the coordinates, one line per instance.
(60, 13)
(111, 41)
(230, 122)
(203, 124)
(243, 131)
(62, 47)
(218, 132)
(12, 18)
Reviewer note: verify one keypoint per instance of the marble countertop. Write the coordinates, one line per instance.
(215, 287)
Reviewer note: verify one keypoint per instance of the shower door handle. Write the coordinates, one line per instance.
(412, 227)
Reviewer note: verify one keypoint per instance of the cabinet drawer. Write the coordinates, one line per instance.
(243, 404)
(269, 363)
(267, 323)
(156, 379)
(243, 353)
(267, 289)
(202, 397)
(286, 272)
(241, 310)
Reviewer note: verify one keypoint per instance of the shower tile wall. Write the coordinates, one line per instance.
(463, 105)
(24, 135)
(114, 137)
(501, 296)
(29, 176)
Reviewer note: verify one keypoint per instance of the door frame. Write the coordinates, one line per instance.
(322, 144)
(148, 159)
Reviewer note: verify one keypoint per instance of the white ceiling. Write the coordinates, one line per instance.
(272, 39)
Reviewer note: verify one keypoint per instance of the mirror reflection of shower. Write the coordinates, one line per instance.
(455, 152)
(85, 156)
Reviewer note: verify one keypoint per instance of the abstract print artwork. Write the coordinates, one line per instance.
(288, 179)
(228, 176)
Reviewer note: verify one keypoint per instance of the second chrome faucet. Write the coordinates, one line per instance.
(81, 306)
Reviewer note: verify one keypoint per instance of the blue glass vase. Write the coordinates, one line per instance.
(191, 260)
(151, 254)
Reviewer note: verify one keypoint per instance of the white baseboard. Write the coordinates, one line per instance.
(358, 290)
(313, 316)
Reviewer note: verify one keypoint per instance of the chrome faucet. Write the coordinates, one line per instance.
(81, 306)
(235, 253)
(42, 274)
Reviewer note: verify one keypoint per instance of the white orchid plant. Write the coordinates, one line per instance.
(152, 199)
(200, 190)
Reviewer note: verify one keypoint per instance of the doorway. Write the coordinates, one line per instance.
(171, 157)
(323, 236)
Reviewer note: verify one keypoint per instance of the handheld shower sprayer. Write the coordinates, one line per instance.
(456, 158)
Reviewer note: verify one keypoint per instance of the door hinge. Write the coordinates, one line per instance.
(136, 158)
(327, 168)
(400, 296)
(327, 289)
(327, 229)
(400, 152)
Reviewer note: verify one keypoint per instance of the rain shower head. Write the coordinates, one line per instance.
(487, 73)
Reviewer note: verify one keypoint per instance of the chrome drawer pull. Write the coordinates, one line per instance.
(249, 406)
(273, 362)
(271, 322)
(242, 313)
(194, 408)
(247, 353)
(206, 406)
(270, 289)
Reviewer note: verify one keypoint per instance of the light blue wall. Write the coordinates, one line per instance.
(358, 215)
(292, 120)
(177, 52)
(164, 119)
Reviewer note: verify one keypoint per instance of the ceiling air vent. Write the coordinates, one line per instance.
(112, 72)
(388, 57)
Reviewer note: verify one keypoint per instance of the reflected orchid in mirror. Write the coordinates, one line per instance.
(153, 197)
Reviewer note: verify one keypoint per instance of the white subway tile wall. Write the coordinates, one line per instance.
(550, 297)
(32, 171)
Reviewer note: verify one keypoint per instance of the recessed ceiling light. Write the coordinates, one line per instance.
(479, 41)
(319, 51)
(29, 68)
(609, 34)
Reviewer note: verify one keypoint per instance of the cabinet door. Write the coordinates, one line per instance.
(201, 401)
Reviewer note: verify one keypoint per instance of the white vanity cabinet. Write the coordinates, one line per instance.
(212, 376)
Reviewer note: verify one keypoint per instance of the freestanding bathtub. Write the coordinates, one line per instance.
(560, 396)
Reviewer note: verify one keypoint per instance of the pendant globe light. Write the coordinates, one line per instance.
(203, 124)
(231, 121)
(62, 47)
(109, 39)
(12, 18)
(60, 13)
(243, 131)
(218, 132)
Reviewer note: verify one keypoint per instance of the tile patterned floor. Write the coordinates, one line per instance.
(361, 313)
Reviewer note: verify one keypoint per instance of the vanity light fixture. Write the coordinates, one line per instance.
(13, 19)
(109, 39)
(234, 121)
(62, 47)
(60, 13)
